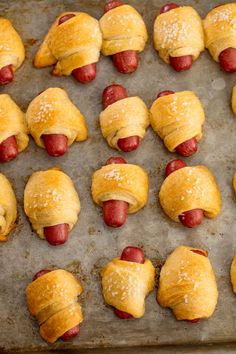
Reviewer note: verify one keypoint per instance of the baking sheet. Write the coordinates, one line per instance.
(91, 244)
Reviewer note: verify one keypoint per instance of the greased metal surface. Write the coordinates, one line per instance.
(91, 244)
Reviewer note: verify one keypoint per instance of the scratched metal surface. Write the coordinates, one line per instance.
(91, 244)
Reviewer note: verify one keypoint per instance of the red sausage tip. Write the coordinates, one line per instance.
(55, 144)
(85, 74)
(200, 252)
(174, 166)
(191, 218)
(57, 234)
(168, 7)
(121, 314)
(181, 63)
(227, 60)
(126, 62)
(133, 254)
(165, 93)
(112, 4)
(187, 148)
(128, 144)
(71, 333)
(8, 149)
(114, 212)
(6, 74)
(65, 18)
(41, 273)
(112, 94)
(115, 160)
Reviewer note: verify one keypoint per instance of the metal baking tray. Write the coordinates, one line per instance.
(91, 244)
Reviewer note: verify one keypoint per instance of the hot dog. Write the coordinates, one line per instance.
(6, 74)
(190, 218)
(57, 234)
(55, 144)
(130, 254)
(114, 93)
(8, 149)
(85, 73)
(71, 332)
(115, 211)
(178, 63)
(227, 60)
(188, 147)
(125, 62)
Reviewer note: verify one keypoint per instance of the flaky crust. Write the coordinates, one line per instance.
(52, 299)
(52, 112)
(220, 29)
(126, 284)
(50, 199)
(233, 274)
(177, 118)
(122, 29)
(124, 118)
(71, 45)
(12, 50)
(187, 285)
(178, 32)
(12, 122)
(121, 182)
(8, 208)
(190, 188)
(234, 100)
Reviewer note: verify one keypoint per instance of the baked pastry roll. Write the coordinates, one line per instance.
(12, 52)
(124, 35)
(50, 201)
(72, 43)
(120, 182)
(178, 36)
(55, 122)
(124, 118)
(52, 299)
(220, 35)
(187, 284)
(13, 129)
(234, 100)
(126, 283)
(8, 208)
(190, 188)
(233, 274)
(177, 118)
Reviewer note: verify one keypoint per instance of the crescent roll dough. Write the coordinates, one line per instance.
(50, 199)
(190, 188)
(124, 118)
(234, 100)
(52, 299)
(187, 285)
(233, 274)
(177, 33)
(70, 45)
(126, 284)
(121, 182)
(52, 112)
(220, 29)
(122, 29)
(8, 208)
(12, 50)
(12, 122)
(177, 118)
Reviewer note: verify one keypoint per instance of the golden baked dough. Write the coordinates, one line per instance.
(220, 29)
(233, 274)
(187, 285)
(177, 33)
(122, 29)
(55, 296)
(190, 188)
(12, 51)
(52, 112)
(50, 199)
(124, 118)
(8, 208)
(234, 100)
(126, 284)
(121, 182)
(12, 122)
(70, 45)
(177, 118)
